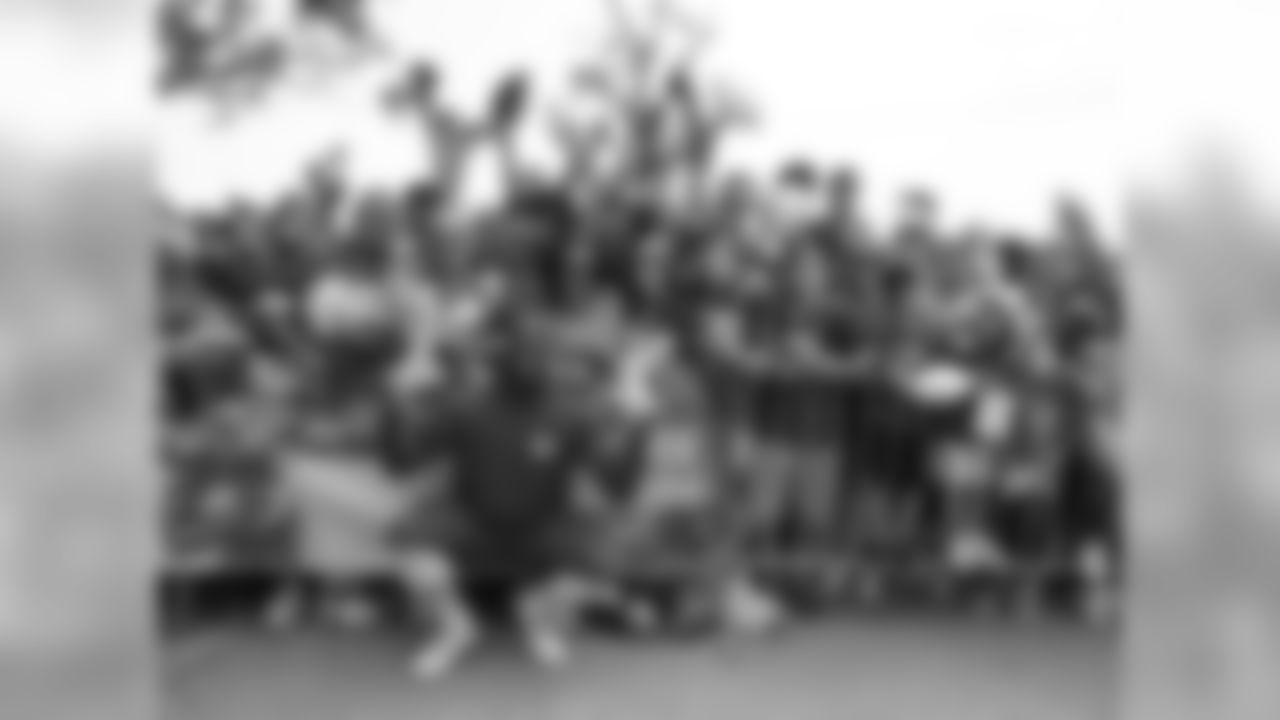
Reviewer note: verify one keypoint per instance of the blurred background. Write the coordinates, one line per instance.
(79, 494)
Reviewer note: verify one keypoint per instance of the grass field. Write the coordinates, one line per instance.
(877, 669)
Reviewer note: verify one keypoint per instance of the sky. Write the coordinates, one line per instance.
(997, 105)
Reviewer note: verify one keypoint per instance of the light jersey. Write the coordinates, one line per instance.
(213, 335)
(964, 467)
(339, 305)
(481, 185)
(636, 389)
(997, 413)
(346, 508)
(941, 384)
(973, 550)
(992, 324)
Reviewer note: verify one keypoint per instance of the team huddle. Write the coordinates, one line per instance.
(519, 420)
(709, 412)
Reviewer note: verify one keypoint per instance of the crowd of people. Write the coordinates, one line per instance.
(750, 390)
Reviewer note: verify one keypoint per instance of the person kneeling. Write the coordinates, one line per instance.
(510, 464)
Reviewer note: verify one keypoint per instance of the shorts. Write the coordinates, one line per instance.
(883, 439)
(521, 553)
(770, 411)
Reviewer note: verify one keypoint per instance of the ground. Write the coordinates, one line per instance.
(877, 669)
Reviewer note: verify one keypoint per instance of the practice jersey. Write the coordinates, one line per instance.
(509, 469)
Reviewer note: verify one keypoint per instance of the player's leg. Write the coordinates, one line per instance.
(294, 584)
(820, 509)
(553, 566)
(349, 602)
(291, 598)
(546, 612)
(1093, 513)
(434, 584)
(743, 605)
(616, 541)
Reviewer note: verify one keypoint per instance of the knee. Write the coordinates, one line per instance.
(428, 570)
(555, 599)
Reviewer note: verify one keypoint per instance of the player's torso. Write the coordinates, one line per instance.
(513, 467)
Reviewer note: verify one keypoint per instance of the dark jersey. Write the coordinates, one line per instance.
(510, 493)
(766, 324)
(813, 402)
(511, 470)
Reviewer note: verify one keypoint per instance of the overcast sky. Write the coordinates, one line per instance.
(996, 103)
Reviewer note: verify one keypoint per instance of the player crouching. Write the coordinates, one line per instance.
(499, 473)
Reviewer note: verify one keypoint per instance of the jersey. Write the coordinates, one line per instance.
(511, 470)
(512, 478)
